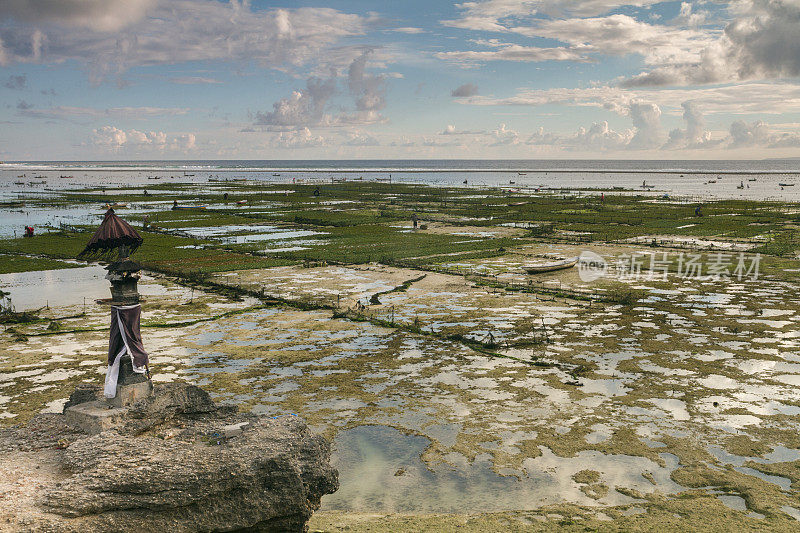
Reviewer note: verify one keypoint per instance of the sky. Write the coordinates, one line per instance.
(402, 79)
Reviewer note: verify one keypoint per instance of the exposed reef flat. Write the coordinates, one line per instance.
(175, 461)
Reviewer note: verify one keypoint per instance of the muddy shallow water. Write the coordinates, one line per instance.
(693, 386)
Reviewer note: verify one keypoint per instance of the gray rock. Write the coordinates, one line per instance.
(176, 464)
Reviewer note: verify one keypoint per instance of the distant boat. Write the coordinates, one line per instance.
(550, 267)
(786, 184)
(189, 206)
(241, 202)
(751, 179)
(66, 177)
(116, 205)
(276, 175)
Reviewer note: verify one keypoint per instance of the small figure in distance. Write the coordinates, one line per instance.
(698, 211)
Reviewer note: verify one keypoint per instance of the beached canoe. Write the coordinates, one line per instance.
(549, 267)
(189, 206)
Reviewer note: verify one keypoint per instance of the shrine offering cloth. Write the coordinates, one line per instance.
(125, 339)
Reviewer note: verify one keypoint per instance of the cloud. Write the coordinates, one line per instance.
(695, 135)
(194, 80)
(744, 98)
(156, 138)
(22, 105)
(785, 140)
(111, 138)
(599, 137)
(403, 141)
(408, 30)
(622, 35)
(503, 136)
(72, 113)
(744, 134)
(311, 107)
(16, 82)
(512, 52)
(97, 15)
(646, 118)
(762, 42)
(687, 18)
(451, 130)
(493, 14)
(170, 32)
(185, 142)
(369, 91)
(361, 139)
(302, 138)
(539, 137)
(302, 108)
(465, 90)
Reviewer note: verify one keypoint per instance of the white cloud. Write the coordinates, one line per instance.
(97, 15)
(194, 80)
(301, 138)
(110, 137)
(361, 139)
(369, 91)
(172, 32)
(452, 130)
(113, 139)
(687, 17)
(185, 142)
(695, 135)
(762, 42)
(408, 30)
(623, 35)
(302, 108)
(646, 118)
(599, 137)
(745, 98)
(503, 136)
(540, 137)
(312, 107)
(77, 113)
(496, 15)
(512, 52)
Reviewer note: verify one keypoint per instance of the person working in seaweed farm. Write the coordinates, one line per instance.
(698, 211)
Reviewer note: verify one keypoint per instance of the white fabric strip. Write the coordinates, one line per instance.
(112, 373)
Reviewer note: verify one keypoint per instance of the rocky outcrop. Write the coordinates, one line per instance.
(175, 461)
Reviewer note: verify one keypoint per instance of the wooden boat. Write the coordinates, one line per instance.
(786, 184)
(751, 179)
(115, 205)
(189, 207)
(241, 202)
(550, 267)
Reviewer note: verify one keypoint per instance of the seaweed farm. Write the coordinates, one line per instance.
(654, 384)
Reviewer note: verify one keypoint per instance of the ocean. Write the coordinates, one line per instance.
(691, 180)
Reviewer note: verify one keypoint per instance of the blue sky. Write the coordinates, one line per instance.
(189, 79)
